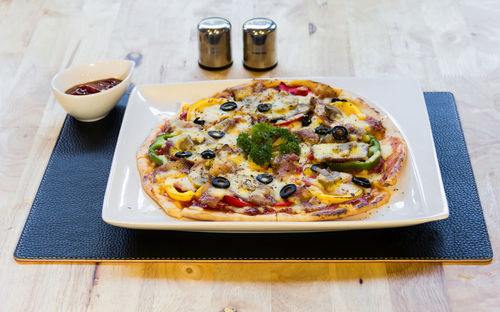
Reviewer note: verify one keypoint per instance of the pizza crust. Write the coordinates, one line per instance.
(199, 213)
(335, 214)
(319, 89)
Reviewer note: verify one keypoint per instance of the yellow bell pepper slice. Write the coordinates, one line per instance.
(175, 174)
(198, 192)
(349, 108)
(180, 196)
(308, 172)
(330, 199)
(201, 104)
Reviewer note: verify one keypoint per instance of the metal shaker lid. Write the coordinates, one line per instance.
(214, 34)
(259, 44)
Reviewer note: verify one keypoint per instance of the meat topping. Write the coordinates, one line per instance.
(286, 164)
(228, 124)
(221, 167)
(307, 135)
(262, 197)
(376, 127)
(209, 200)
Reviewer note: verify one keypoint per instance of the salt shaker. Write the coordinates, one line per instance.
(259, 44)
(214, 35)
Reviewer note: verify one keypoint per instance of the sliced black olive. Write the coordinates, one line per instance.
(264, 107)
(221, 182)
(315, 167)
(275, 120)
(322, 130)
(208, 154)
(363, 182)
(340, 133)
(199, 121)
(216, 134)
(228, 106)
(306, 120)
(288, 190)
(265, 178)
(338, 100)
(183, 154)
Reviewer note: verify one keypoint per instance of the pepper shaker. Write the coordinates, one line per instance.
(259, 44)
(214, 35)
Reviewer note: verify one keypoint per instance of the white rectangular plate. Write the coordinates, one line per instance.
(418, 197)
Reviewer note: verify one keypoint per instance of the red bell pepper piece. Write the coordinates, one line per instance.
(236, 202)
(295, 90)
(287, 122)
(283, 204)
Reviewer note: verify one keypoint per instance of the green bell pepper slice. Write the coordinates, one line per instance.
(374, 155)
(157, 144)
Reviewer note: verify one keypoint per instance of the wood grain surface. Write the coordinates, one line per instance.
(446, 45)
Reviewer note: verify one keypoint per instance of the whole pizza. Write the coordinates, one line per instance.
(273, 150)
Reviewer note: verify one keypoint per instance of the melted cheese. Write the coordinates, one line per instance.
(386, 150)
(236, 159)
(213, 113)
(217, 192)
(170, 178)
(340, 151)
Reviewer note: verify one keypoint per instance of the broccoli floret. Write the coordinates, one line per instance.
(262, 133)
(245, 142)
(259, 146)
(289, 147)
(261, 155)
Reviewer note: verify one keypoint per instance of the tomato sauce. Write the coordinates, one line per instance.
(93, 86)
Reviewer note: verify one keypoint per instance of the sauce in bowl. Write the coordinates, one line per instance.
(93, 86)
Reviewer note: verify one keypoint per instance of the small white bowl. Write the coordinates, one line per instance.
(95, 106)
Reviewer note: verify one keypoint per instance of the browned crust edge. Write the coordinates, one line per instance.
(320, 89)
(390, 176)
(198, 213)
(330, 215)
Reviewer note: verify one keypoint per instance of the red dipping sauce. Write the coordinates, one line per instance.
(93, 86)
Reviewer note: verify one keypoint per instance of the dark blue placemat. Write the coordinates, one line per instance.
(65, 220)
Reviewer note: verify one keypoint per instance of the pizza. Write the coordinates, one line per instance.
(273, 150)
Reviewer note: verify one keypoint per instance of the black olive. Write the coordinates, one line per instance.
(338, 100)
(265, 178)
(183, 154)
(340, 133)
(264, 107)
(322, 130)
(208, 154)
(288, 190)
(216, 134)
(228, 106)
(221, 182)
(363, 182)
(306, 120)
(275, 120)
(315, 167)
(199, 121)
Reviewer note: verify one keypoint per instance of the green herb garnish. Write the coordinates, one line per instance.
(266, 139)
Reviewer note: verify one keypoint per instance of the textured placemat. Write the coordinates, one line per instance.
(65, 223)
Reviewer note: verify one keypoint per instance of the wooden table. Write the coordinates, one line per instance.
(446, 45)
